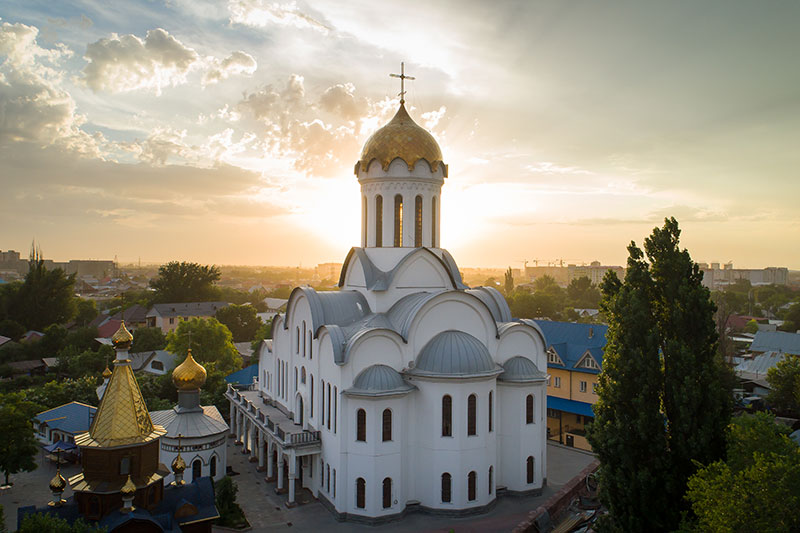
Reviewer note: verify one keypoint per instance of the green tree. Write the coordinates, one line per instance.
(756, 489)
(784, 382)
(241, 320)
(148, 339)
(86, 311)
(264, 332)
(582, 294)
(45, 297)
(58, 392)
(230, 514)
(209, 341)
(509, 282)
(751, 326)
(12, 329)
(185, 282)
(18, 444)
(41, 522)
(662, 311)
(791, 319)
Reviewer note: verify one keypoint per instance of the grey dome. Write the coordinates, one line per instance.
(520, 370)
(379, 380)
(454, 354)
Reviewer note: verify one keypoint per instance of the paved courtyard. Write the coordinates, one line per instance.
(266, 512)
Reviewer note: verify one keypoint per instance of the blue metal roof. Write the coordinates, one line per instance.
(776, 341)
(244, 376)
(570, 406)
(571, 341)
(72, 417)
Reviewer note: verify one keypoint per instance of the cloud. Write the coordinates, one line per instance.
(127, 63)
(341, 100)
(259, 14)
(237, 63)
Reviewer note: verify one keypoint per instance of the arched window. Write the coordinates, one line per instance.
(328, 408)
(213, 469)
(361, 425)
(312, 394)
(433, 222)
(196, 469)
(447, 416)
(446, 488)
(364, 219)
(334, 482)
(310, 346)
(398, 220)
(361, 493)
(529, 467)
(472, 414)
(529, 409)
(491, 411)
(491, 479)
(328, 477)
(471, 481)
(322, 402)
(418, 221)
(387, 425)
(295, 378)
(387, 493)
(335, 408)
(303, 375)
(297, 339)
(379, 221)
(304, 338)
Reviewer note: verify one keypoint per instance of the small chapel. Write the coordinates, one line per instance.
(405, 390)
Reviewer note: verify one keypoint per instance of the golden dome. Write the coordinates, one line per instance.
(178, 464)
(58, 483)
(122, 338)
(106, 373)
(189, 375)
(401, 138)
(129, 488)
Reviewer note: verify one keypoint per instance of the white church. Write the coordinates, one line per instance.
(405, 390)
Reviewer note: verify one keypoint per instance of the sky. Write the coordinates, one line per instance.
(226, 132)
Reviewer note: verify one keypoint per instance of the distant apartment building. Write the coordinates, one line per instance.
(168, 316)
(574, 360)
(594, 271)
(559, 273)
(716, 276)
(11, 261)
(329, 271)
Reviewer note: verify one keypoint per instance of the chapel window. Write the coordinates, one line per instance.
(387, 425)
(213, 469)
(446, 489)
(471, 481)
(418, 221)
(447, 416)
(529, 468)
(387, 493)
(491, 411)
(529, 409)
(196, 469)
(361, 425)
(398, 221)
(361, 493)
(472, 408)
(379, 221)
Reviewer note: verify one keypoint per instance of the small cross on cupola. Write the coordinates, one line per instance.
(403, 78)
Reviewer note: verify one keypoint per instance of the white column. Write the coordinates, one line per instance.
(232, 419)
(280, 469)
(245, 434)
(270, 467)
(292, 475)
(260, 441)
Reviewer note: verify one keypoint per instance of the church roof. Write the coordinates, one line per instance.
(520, 369)
(380, 280)
(122, 418)
(205, 422)
(379, 380)
(401, 138)
(454, 354)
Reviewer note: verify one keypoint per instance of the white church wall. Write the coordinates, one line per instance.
(519, 440)
(376, 347)
(456, 311)
(519, 340)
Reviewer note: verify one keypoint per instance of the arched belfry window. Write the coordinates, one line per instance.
(529, 409)
(398, 220)
(387, 425)
(472, 480)
(361, 425)
(361, 493)
(379, 221)
(446, 489)
(472, 414)
(433, 222)
(447, 416)
(418, 221)
(387, 493)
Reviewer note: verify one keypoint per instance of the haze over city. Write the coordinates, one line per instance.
(227, 132)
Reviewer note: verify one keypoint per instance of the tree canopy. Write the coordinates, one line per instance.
(241, 320)
(784, 382)
(18, 444)
(44, 298)
(209, 340)
(663, 388)
(148, 339)
(185, 282)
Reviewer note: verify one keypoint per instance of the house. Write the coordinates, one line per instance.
(134, 317)
(574, 360)
(776, 341)
(168, 316)
(246, 376)
(30, 367)
(31, 336)
(157, 362)
(62, 423)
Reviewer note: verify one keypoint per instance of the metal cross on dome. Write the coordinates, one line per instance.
(403, 78)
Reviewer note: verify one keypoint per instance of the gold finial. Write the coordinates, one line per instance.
(122, 339)
(106, 372)
(129, 488)
(189, 375)
(178, 464)
(58, 483)
(403, 78)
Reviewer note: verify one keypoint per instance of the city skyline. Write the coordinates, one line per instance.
(226, 133)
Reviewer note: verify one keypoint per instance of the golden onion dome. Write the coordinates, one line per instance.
(178, 464)
(106, 373)
(129, 488)
(189, 375)
(58, 483)
(122, 338)
(401, 138)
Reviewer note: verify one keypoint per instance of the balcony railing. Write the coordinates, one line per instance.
(262, 419)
